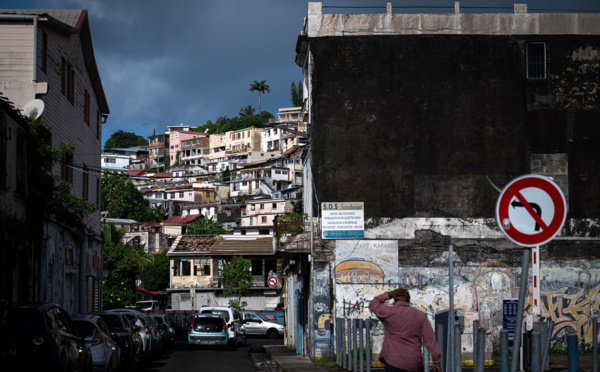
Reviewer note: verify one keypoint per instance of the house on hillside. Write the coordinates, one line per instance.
(424, 144)
(258, 216)
(176, 226)
(158, 149)
(243, 140)
(177, 138)
(134, 158)
(228, 214)
(183, 174)
(258, 179)
(48, 55)
(196, 262)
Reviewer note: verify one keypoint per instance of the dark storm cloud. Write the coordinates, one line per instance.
(165, 63)
(189, 61)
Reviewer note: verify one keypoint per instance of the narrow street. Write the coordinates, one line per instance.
(184, 358)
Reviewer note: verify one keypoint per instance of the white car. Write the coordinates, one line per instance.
(235, 330)
(106, 354)
(258, 324)
(147, 306)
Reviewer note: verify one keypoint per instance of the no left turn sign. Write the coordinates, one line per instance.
(531, 210)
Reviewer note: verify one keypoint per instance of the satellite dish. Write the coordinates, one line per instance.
(33, 109)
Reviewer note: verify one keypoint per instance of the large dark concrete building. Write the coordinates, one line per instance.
(423, 117)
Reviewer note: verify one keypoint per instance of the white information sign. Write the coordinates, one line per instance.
(344, 220)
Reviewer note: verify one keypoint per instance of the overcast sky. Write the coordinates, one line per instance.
(188, 61)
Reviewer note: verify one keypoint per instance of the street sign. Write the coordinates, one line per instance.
(509, 317)
(531, 210)
(344, 220)
(272, 281)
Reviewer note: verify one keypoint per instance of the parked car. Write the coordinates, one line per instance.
(127, 337)
(208, 329)
(142, 327)
(159, 334)
(170, 331)
(147, 306)
(233, 320)
(41, 338)
(257, 324)
(106, 354)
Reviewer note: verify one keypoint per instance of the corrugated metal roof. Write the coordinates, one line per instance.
(211, 245)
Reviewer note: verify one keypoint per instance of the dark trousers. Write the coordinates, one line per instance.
(390, 368)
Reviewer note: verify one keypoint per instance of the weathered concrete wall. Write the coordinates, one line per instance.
(424, 120)
(486, 271)
(519, 23)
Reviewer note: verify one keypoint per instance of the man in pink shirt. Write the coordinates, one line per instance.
(406, 330)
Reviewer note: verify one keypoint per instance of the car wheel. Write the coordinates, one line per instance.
(272, 334)
(64, 364)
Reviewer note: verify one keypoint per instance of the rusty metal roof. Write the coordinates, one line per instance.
(212, 245)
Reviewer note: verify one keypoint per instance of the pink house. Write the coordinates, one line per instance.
(178, 136)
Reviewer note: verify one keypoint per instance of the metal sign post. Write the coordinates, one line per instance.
(535, 270)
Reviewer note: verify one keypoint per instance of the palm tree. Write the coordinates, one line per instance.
(246, 112)
(222, 122)
(259, 87)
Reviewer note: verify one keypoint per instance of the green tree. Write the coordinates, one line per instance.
(122, 266)
(49, 195)
(156, 275)
(121, 199)
(297, 94)
(246, 112)
(226, 175)
(121, 139)
(260, 87)
(205, 226)
(237, 278)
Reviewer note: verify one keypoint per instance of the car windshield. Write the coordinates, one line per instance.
(158, 319)
(223, 313)
(85, 328)
(112, 321)
(22, 325)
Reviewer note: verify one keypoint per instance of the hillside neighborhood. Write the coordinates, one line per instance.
(390, 172)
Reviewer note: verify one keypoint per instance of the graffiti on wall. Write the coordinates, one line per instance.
(569, 294)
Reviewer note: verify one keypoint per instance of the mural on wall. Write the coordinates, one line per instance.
(568, 294)
(366, 261)
(363, 267)
(321, 318)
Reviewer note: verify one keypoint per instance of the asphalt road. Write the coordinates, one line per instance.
(182, 358)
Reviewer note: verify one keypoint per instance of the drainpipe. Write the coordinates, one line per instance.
(35, 22)
(82, 272)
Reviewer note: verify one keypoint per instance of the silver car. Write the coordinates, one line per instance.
(257, 324)
(106, 354)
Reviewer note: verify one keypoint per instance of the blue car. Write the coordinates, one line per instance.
(208, 329)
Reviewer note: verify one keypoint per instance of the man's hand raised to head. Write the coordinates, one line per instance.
(399, 293)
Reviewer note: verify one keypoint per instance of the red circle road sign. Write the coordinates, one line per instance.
(531, 210)
(272, 281)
